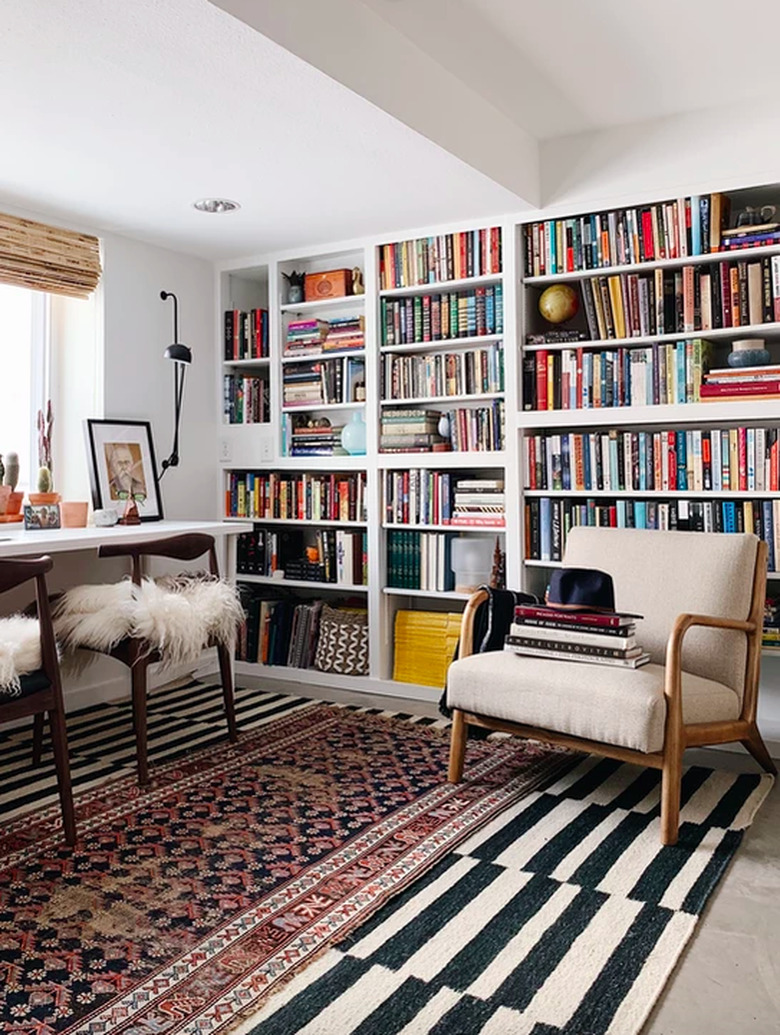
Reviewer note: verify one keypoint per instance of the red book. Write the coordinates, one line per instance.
(531, 440)
(671, 440)
(774, 466)
(647, 234)
(745, 389)
(581, 618)
(541, 379)
(725, 294)
(742, 457)
(580, 355)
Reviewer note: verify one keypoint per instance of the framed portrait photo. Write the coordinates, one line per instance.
(41, 516)
(123, 466)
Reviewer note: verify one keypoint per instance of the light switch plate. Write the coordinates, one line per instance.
(225, 450)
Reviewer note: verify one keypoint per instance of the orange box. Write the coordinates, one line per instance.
(329, 284)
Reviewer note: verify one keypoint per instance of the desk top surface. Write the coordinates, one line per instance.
(16, 542)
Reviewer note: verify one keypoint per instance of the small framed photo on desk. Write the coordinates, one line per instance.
(41, 516)
(122, 466)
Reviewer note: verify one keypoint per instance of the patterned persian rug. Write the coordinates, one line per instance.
(184, 904)
(320, 877)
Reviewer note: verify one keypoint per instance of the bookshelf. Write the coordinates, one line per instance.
(469, 371)
(663, 290)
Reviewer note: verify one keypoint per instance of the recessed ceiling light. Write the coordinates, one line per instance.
(215, 205)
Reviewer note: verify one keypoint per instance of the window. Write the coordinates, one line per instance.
(23, 375)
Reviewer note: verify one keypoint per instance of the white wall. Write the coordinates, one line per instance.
(138, 381)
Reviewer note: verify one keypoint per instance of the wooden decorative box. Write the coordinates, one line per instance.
(328, 284)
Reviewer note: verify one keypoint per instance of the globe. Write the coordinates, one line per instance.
(559, 303)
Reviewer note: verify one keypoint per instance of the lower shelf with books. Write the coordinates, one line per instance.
(442, 562)
(548, 519)
(467, 498)
(306, 554)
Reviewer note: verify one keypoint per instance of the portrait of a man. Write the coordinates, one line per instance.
(126, 471)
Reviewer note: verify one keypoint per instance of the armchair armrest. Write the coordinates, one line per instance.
(466, 645)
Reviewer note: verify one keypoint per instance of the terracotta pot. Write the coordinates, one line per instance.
(15, 503)
(73, 515)
(37, 498)
(5, 495)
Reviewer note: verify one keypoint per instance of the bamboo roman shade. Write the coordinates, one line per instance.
(47, 258)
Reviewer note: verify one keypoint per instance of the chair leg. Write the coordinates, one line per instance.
(138, 674)
(59, 741)
(226, 675)
(460, 732)
(757, 748)
(671, 778)
(38, 720)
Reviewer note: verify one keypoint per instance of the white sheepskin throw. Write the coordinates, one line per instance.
(177, 617)
(20, 651)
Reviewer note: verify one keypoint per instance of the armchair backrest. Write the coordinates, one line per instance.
(663, 574)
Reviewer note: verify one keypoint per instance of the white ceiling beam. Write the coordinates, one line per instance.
(351, 43)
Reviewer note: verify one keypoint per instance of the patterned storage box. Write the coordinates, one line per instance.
(343, 642)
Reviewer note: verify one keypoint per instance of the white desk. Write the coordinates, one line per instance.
(16, 542)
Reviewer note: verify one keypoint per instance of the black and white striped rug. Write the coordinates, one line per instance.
(563, 915)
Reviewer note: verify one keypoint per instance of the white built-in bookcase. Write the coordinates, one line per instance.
(258, 281)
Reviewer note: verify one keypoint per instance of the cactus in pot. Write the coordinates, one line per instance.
(45, 479)
(11, 472)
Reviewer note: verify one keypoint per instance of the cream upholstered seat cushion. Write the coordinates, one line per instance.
(612, 705)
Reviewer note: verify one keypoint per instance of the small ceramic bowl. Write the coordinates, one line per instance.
(105, 518)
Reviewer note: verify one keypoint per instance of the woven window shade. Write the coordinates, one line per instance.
(47, 258)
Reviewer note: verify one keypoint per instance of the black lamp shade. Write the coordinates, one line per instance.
(179, 353)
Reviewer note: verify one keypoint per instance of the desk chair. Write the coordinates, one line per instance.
(702, 598)
(40, 690)
(138, 651)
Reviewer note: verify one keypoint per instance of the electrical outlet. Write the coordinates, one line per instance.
(266, 449)
(225, 450)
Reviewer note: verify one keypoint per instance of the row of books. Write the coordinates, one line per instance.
(440, 317)
(472, 372)
(771, 636)
(668, 230)
(737, 459)
(573, 379)
(305, 435)
(600, 639)
(335, 556)
(297, 497)
(694, 298)
(428, 260)
(420, 560)
(245, 400)
(548, 520)
(732, 383)
(319, 337)
(423, 497)
(424, 644)
(324, 382)
(246, 334)
(479, 429)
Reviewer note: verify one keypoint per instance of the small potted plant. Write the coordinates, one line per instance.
(45, 493)
(294, 286)
(13, 507)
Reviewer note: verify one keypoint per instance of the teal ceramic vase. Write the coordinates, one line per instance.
(353, 435)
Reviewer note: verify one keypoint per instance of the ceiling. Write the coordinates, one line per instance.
(120, 113)
(335, 120)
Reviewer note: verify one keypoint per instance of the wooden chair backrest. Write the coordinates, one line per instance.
(15, 572)
(185, 547)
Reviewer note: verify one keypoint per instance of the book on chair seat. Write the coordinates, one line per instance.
(636, 660)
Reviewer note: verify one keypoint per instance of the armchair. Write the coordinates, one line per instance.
(702, 598)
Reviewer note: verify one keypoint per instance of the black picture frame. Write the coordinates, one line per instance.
(122, 462)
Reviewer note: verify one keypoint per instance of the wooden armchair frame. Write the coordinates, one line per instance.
(14, 573)
(677, 736)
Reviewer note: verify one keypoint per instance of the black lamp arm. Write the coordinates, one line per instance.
(179, 372)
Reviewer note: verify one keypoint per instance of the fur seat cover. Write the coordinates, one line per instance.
(20, 652)
(176, 616)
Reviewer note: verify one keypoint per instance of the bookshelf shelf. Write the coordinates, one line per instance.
(438, 286)
(322, 303)
(625, 416)
(719, 333)
(299, 522)
(306, 407)
(442, 461)
(625, 494)
(394, 591)
(269, 580)
(439, 400)
(542, 564)
(323, 355)
(243, 364)
(734, 254)
(442, 344)
(397, 525)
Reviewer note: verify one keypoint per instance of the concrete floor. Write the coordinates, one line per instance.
(727, 981)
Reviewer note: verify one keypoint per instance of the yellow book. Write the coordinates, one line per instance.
(616, 300)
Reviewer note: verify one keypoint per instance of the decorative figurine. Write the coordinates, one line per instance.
(294, 286)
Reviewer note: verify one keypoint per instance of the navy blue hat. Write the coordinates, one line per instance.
(582, 589)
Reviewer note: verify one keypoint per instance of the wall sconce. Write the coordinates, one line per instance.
(182, 357)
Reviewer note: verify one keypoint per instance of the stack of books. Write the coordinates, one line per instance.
(728, 384)
(305, 337)
(410, 431)
(755, 236)
(425, 644)
(600, 638)
(771, 637)
(478, 501)
(315, 438)
(345, 332)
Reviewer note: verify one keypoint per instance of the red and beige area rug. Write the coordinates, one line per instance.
(185, 904)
